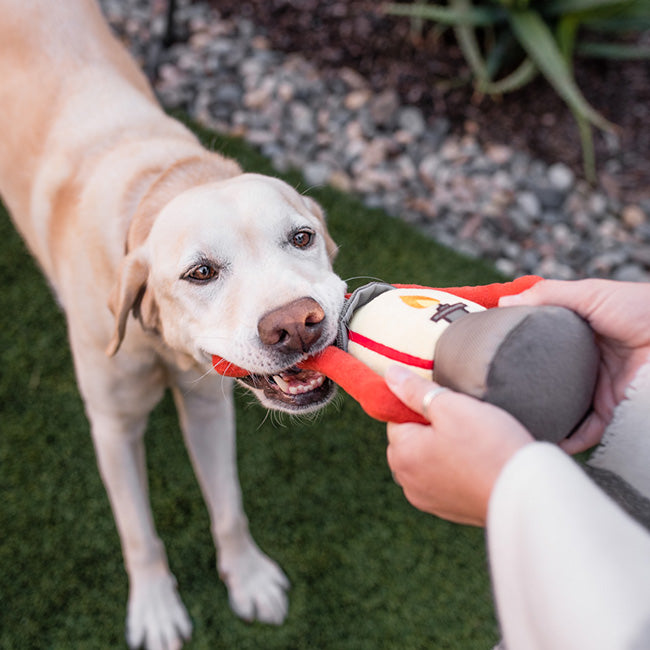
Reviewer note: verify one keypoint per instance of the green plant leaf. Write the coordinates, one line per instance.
(587, 144)
(628, 22)
(498, 52)
(562, 7)
(566, 31)
(616, 51)
(518, 78)
(536, 38)
(466, 37)
(476, 16)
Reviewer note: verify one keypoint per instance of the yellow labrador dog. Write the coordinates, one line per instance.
(162, 254)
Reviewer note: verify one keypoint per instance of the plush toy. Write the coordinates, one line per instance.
(538, 363)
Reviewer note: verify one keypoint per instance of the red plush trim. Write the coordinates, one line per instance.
(486, 295)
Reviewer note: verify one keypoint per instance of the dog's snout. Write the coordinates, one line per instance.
(295, 327)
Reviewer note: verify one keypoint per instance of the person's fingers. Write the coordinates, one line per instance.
(404, 449)
(578, 295)
(587, 435)
(619, 311)
(396, 432)
(417, 393)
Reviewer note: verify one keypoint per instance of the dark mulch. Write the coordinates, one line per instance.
(354, 33)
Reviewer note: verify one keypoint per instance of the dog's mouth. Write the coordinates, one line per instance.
(294, 389)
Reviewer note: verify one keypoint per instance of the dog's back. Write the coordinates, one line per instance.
(69, 95)
(132, 220)
(48, 51)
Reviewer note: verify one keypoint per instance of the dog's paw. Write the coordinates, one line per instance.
(156, 618)
(256, 585)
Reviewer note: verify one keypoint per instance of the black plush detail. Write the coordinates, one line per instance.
(544, 373)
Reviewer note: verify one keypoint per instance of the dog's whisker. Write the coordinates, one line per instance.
(364, 277)
(207, 373)
(267, 415)
(310, 188)
(279, 419)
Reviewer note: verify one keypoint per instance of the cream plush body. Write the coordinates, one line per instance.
(403, 326)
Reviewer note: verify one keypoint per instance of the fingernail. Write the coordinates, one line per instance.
(509, 301)
(397, 375)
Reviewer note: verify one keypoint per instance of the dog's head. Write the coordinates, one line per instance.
(241, 269)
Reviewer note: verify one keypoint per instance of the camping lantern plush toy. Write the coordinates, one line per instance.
(538, 363)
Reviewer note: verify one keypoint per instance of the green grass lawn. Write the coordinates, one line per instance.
(367, 570)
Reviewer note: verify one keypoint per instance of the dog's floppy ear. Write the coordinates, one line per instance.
(131, 294)
(330, 244)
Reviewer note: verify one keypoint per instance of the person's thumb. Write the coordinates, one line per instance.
(409, 387)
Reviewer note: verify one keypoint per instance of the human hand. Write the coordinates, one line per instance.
(448, 468)
(619, 314)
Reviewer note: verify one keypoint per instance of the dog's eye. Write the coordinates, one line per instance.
(201, 273)
(302, 238)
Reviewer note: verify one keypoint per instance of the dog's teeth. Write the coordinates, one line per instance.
(306, 387)
(298, 387)
(282, 384)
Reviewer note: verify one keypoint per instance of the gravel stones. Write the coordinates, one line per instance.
(491, 202)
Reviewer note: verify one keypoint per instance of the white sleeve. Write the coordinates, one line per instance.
(570, 569)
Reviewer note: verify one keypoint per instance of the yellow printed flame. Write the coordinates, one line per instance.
(419, 302)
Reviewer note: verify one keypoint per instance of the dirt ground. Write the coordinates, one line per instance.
(430, 72)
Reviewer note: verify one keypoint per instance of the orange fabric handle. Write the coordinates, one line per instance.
(363, 384)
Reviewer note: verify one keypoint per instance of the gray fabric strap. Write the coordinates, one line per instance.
(362, 296)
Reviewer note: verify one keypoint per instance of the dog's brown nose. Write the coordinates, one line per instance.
(295, 327)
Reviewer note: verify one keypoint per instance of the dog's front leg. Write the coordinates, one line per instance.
(156, 617)
(256, 585)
